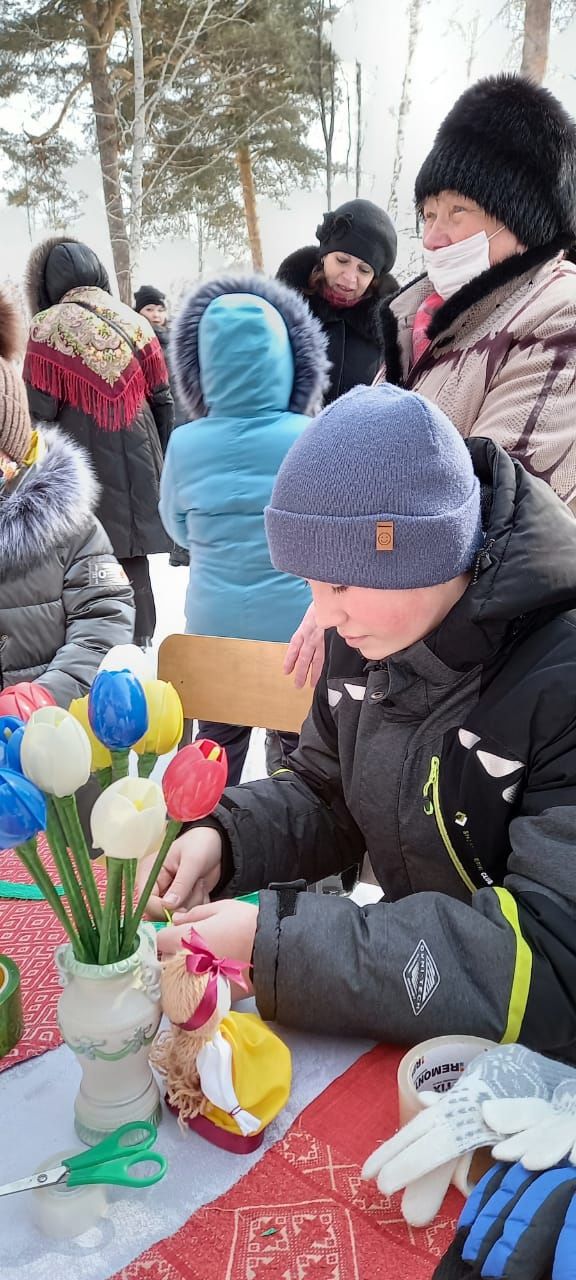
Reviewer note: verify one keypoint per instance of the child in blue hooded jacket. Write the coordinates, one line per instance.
(250, 365)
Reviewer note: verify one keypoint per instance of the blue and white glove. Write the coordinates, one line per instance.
(517, 1225)
(424, 1156)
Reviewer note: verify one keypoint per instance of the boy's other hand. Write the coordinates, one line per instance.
(190, 872)
(228, 928)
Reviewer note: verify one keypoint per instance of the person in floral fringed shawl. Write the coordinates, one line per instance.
(96, 369)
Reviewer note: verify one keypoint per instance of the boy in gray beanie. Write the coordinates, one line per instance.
(441, 740)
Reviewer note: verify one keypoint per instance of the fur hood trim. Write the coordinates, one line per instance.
(35, 268)
(51, 506)
(75, 265)
(307, 339)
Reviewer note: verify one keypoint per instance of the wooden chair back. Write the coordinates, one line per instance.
(233, 681)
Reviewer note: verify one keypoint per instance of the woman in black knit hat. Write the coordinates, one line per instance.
(344, 281)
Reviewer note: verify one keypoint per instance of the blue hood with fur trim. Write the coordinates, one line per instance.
(245, 344)
(250, 364)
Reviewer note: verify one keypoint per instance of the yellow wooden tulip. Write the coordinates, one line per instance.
(101, 758)
(165, 719)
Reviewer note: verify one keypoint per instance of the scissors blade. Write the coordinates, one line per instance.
(45, 1179)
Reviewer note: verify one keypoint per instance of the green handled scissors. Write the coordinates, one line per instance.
(111, 1161)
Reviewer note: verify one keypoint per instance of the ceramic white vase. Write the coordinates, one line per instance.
(109, 1015)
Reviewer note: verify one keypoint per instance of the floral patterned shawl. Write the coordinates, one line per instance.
(95, 354)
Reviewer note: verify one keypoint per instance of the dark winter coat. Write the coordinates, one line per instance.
(127, 462)
(453, 764)
(181, 414)
(64, 599)
(355, 346)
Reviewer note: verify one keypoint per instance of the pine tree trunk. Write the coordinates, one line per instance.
(359, 127)
(97, 39)
(537, 18)
(244, 160)
(138, 134)
(405, 104)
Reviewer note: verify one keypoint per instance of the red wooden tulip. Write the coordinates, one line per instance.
(194, 780)
(24, 698)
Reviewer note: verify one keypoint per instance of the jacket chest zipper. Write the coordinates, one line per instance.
(432, 808)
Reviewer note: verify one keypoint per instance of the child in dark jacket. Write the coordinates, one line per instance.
(442, 739)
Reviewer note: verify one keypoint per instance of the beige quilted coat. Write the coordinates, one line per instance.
(504, 368)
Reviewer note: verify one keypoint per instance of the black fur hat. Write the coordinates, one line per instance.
(510, 146)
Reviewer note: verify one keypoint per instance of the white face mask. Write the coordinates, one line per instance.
(450, 268)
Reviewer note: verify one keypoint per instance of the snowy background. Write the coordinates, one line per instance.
(460, 39)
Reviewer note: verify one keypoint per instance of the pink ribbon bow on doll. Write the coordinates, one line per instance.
(201, 960)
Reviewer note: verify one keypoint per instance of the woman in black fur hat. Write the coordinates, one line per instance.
(488, 332)
(344, 282)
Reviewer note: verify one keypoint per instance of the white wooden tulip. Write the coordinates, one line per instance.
(56, 754)
(128, 657)
(129, 818)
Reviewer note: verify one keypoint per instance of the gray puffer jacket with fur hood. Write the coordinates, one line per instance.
(64, 599)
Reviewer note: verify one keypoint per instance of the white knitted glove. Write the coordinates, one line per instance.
(424, 1154)
(544, 1133)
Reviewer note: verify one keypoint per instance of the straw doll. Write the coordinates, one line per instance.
(227, 1074)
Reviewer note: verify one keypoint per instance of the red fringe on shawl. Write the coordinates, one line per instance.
(68, 379)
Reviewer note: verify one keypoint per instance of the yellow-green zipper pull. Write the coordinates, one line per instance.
(429, 787)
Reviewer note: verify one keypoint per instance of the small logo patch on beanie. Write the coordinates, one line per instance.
(385, 535)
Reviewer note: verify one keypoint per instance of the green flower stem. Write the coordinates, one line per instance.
(67, 811)
(104, 776)
(29, 856)
(120, 764)
(146, 763)
(109, 949)
(129, 881)
(76, 903)
(172, 830)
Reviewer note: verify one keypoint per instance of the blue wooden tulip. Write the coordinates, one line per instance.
(117, 709)
(22, 809)
(12, 749)
(8, 726)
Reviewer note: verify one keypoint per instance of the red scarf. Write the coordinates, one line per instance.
(336, 300)
(420, 339)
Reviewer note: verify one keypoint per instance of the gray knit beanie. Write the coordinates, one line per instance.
(379, 491)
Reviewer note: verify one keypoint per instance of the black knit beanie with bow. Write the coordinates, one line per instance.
(510, 146)
(362, 229)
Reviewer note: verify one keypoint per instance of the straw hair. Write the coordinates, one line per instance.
(175, 1052)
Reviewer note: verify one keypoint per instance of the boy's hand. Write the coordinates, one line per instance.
(191, 871)
(305, 653)
(228, 928)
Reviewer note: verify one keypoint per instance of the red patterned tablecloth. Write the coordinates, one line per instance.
(29, 932)
(326, 1223)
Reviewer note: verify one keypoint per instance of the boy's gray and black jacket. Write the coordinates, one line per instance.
(64, 599)
(454, 764)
